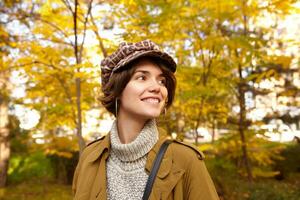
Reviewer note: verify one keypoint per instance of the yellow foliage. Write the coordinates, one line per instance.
(61, 146)
(206, 147)
(258, 172)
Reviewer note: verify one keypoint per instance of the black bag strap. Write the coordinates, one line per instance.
(155, 168)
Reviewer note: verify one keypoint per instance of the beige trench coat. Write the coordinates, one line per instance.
(182, 174)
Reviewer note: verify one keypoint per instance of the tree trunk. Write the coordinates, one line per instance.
(81, 141)
(242, 122)
(79, 121)
(213, 131)
(4, 142)
(196, 136)
(242, 103)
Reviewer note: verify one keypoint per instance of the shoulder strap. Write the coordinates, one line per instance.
(155, 168)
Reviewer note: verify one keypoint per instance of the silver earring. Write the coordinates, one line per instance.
(116, 108)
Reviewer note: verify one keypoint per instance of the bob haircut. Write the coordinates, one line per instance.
(118, 81)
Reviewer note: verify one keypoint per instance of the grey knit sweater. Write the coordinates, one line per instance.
(126, 176)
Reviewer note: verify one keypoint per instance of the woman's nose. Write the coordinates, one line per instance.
(154, 86)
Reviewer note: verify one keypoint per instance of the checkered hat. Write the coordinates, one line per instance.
(127, 52)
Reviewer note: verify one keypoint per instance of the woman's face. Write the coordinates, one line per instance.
(145, 94)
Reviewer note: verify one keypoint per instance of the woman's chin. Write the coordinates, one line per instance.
(151, 115)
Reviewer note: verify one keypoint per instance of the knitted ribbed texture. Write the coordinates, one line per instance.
(126, 176)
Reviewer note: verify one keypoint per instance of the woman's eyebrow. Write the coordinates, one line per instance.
(147, 72)
(142, 71)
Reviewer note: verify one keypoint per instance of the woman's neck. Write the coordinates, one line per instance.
(129, 128)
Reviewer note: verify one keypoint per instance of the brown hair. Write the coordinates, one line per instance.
(118, 81)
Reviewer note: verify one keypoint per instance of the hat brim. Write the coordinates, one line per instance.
(164, 57)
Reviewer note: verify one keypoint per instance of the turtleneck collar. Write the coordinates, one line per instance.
(138, 148)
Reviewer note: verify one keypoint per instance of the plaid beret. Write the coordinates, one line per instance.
(128, 52)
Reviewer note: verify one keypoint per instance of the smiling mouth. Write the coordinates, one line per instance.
(151, 100)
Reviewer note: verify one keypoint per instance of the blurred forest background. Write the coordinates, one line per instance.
(237, 97)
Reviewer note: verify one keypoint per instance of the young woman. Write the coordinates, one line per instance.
(138, 85)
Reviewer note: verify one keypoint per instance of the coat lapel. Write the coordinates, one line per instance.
(99, 150)
(99, 157)
(168, 174)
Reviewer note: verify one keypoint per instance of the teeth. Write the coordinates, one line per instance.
(151, 100)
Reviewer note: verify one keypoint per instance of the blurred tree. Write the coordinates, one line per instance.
(51, 55)
(4, 131)
(6, 42)
(54, 55)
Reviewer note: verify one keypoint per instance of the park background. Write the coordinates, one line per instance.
(237, 94)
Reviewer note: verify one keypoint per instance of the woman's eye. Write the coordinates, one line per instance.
(141, 78)
(162, 82)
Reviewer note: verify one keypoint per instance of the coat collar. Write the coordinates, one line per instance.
(102, 146)
(165, 166)
(167, 176)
